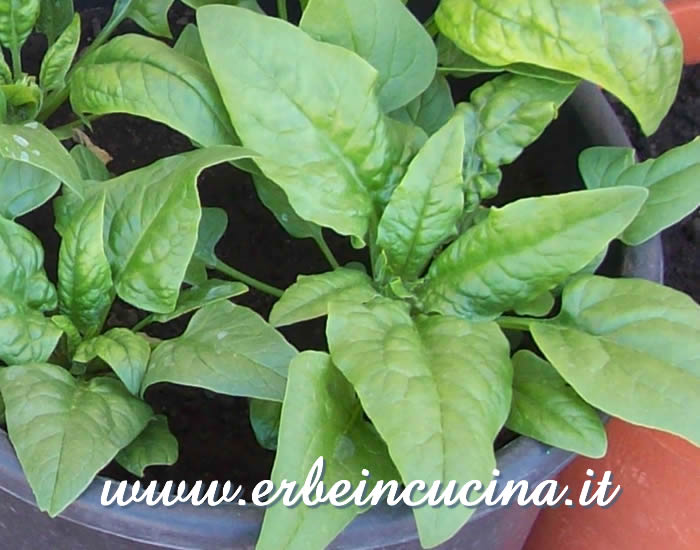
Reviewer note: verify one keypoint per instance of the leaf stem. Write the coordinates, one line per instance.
(66, 131)
(143, 323)
(247, 279)
(16, 62)
(327, 252)
(515, 323)
(282, 9)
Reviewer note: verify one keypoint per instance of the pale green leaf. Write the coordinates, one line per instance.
(321, 416)
(630, 47)
(152, 16)
(17, 19)
(309, 297)
(526, 248)
(602, 166)
(155, 446)
(629, 347)
(24, 188)
(68, 435)
(54, 17)
(437, 389)
(546, 408)
(384, 33)
(190, 44)
(90, 166)
(228, 349)
(430, 110)
(59, 58)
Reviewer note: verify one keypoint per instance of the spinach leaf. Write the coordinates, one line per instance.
(154, 446)
(430, 110)
(152, 16)
(629, 347)
(54, 17)
(59, 58)
(265, 421)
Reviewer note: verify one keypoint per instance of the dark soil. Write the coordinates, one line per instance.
(216, 441)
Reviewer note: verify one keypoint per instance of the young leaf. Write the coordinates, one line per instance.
(455, 62)
(209, 292)
(155, 446)
(504, 116)
(309, 297)
(265, 421)
(190, 44)
(125, 352)
(65, 438)
(431, 110)
(152, 16)
(437, 389)
(603, 166)
(424, 208)
(630, 47)
(24, 188)
(546, 408)
(151, 221)
(320, 401)
(54, 17)
(25, 334)
(73, 337)
(524, 249)
(276, 201)
(85, 286)
(59, 58)
(306, 125)
(537, 307)
(227, 349)
(17, 19)
(142, 76)
(34, 144)
(90, 166)
(630, 348)
(384, 33)
(673, 181)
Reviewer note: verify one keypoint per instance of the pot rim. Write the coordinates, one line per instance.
(185, 527)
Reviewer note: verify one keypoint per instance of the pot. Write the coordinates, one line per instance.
(586, 119)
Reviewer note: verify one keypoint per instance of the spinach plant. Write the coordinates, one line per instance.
(349, 125)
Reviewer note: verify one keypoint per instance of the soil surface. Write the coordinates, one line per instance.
(216, 441)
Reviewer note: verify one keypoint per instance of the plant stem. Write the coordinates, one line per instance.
(282, 9)
(60, 97)
(16, 63)
(250, 281)
(142, 323)
(515, 323)
(66, 131)
(327, 252)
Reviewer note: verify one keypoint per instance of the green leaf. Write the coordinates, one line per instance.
(142, 76)
(265, 421)
(71, 332)
(504, 116)
(54, 17)
(603, 166)
(151, 221)
(23, 100)
(209, 292)
(455, 62)
(59, 58)
(673, 181)
(309, 297)
(537, 307)
(190, 44)
(524, 249)
(17, 19)
(85, 285)
(423, 211)
(25, 334)
(630, 47)
(155, 446)
(152, 16)
(65, 438)
(125, 352)
(546, 408)
(321, 416)
(430, 110)
(34, 144)
(24, 188)
(630, 348)
(275, 199)
(437, 389)
(384, 33)
(212, 227)
(228, 349)
(90, 166)
(320, 130)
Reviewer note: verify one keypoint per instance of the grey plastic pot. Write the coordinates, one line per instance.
(587, 119)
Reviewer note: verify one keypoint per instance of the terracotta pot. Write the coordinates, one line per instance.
(686, 14)
(658, 506)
